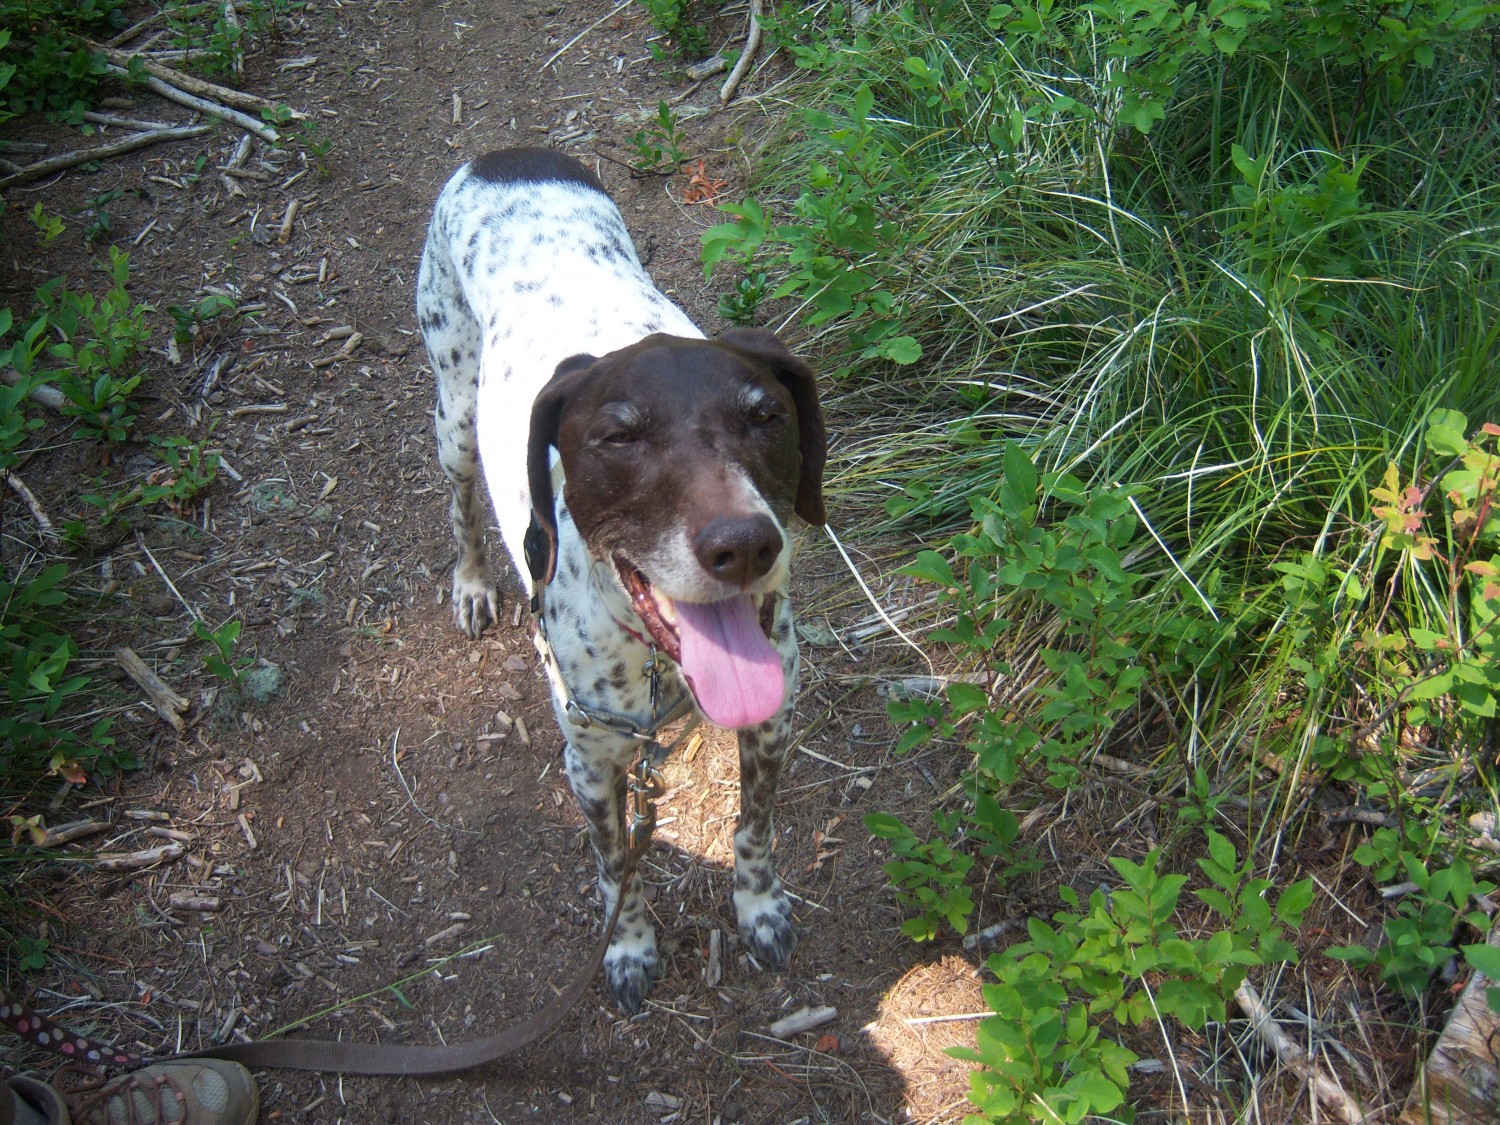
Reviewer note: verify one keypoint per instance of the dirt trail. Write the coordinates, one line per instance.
(381, 812)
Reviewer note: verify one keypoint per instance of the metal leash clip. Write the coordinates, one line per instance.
(652, 670)
(646, 785)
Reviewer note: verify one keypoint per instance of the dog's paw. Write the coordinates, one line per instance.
(630, 973)
(766, 926)
(474, 603)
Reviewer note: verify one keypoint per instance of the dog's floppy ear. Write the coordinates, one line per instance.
(812, 437)
(546, 416)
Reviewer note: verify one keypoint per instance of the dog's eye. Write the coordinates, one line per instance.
(618, 437)
(762, 413)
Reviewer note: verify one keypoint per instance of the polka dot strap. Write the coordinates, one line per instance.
(37, 1028)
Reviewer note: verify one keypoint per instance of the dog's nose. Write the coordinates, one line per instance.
(739, 550)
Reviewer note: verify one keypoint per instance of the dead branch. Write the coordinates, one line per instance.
(566, 47)
(39, 517)
(803, 1019)
(1290, 1053)
(1457, 1084)
(202, 105)
(67, 833)
(164, 701)
(83, 156)
(747, 56)
(131, 861)
(124, 122)
(213, 91)
(42, 393)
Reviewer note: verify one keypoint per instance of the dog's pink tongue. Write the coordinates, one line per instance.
(734, 672)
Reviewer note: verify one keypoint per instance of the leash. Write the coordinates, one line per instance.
(342, 1057)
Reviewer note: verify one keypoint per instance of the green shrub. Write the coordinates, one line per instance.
(1120, 959)
(48, 71)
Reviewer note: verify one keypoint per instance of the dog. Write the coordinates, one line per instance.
(681, 462)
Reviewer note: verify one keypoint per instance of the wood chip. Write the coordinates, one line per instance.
(259, 408)
(171, 834)
(803, 1019)
(713, 972)
(288, 220)
(189, 900)
(443, 935)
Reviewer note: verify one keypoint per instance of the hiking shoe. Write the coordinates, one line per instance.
(186, 1092)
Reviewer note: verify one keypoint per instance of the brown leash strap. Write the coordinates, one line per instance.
(340, 1057)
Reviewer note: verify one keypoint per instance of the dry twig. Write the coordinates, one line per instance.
(213, 91)
(1290, 1053)
(132, 861)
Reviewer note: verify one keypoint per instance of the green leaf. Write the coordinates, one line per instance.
(1484, 958)
(1294, 902)
(1445, 432)
(1222, 851)
(930, 567)
(967, 698)
(886, 826)
(1018, 485)
(903, 350)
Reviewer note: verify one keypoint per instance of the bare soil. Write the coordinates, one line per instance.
(393, 845)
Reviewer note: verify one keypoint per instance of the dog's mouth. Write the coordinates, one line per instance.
(722, 647)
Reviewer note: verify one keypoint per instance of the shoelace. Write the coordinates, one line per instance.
(88, 1092)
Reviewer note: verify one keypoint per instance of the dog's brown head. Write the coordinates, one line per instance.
(684, 459)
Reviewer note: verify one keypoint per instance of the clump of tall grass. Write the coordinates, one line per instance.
(1248, 311)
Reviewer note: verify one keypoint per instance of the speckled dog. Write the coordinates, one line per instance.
(681, 461)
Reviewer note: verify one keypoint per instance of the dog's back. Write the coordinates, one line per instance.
(527, 262)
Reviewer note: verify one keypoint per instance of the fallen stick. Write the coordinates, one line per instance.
(67, 833)
(707, 68)
(1290, 1053)
(124, 122)
(43, 524)
(747, 56)
(132, 861)
(202, 105)
(568, 46)
(43, 393)
(803, 1019)
(187, 900)
(166, 702)
(223, 95)
(72, 159)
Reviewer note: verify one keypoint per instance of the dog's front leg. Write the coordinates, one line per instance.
(760, 903)
(596, 762)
